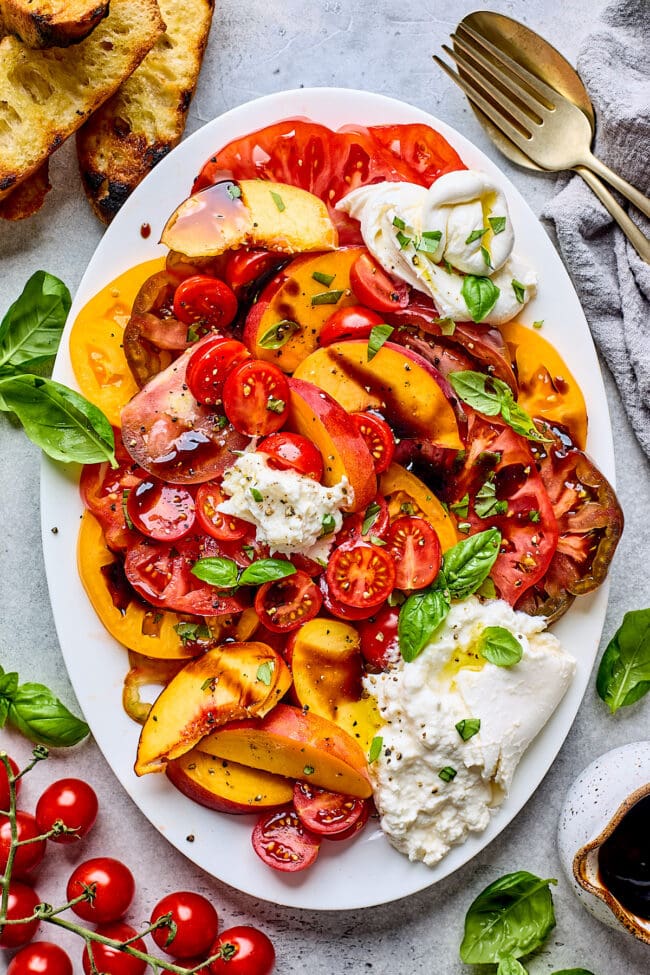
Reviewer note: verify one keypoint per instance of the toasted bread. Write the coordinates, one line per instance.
(51, 23)
(28, 198)
(139, 125)
(47, 94)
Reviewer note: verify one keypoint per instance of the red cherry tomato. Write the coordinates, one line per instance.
(114, 889)
(326, 813)
(4, 783)
(209, 365)
(72, 801)
(226, 528)
(379, 437)
(21, 902)
(378, 635)
(415, 547)
(293, 452)
(244, 267)
(287, 603)
(256, 398)
(340, 610)
(360, 574)
(196, 923)
(244, 951)
(374, 288)
(353, 322)
(374, 522)
(161, 511)
(28, 857)
(282, 842)
(112, 961)
(40, 958)
(357, 826)
(204, 300)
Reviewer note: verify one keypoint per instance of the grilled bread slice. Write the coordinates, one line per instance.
(47, 94)
(28, 198)
(51, 23)
(139, 125)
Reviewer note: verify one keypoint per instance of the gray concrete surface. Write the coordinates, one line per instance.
(257, 47)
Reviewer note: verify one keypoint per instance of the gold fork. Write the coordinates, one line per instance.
(545, 125)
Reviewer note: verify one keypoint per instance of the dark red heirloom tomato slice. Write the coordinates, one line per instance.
(26, 857)
(326, 813)
(374, 522)
(206, 301)
(103, 491)
(415, 548)
(293, 452)
(256, 398)
(209, 365)
(353, 322)
(287, 603)
(161, 511)
(379, 437)
(376, 289)
(360, 574)
(283, 842)
(226, 528)
(378, 635)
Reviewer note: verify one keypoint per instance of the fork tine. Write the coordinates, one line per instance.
(510, 89)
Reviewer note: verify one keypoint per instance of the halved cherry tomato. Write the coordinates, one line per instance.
(256, 398)
(376, 289)
(356, 827)
(287, 603)
(340, 610)
(282, 842)
(103, 489)
(353, 322)
(326, 813)
(415, 547)
(204, 300)
(161, 511)
(209, 365)
(378, 635)
(379, 437)
(374, 522)
(244, 267)
(293, 452)
(360, 574)
(226, 528)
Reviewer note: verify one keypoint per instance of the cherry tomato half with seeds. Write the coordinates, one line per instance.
(256, 398)
(204, 300)
(73, 802)
(40, 958)
(360, 574)
(326, 813)
(225, 528)
(114, 889)
(379, 437)
(196, 924)
(378, 635)
(282, 841)
(293, 452)
(340, 610)
(21, 903)
(164, 512)
(415, 547)
(353, 322)
(4, 783)
(244, 267)
(287, 603)
(209, 365)
(28, 857)
(112, 961)
(376, 289)
(244, 951)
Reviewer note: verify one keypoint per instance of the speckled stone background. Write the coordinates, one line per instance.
(256, 47)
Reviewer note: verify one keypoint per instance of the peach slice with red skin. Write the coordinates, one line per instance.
(226, 786)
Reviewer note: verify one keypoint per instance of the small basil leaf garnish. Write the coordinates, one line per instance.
(217, 571)
(419, 618)
(279, 334)
(466, 564)
(378, 335)
(492, 396)
(376, 746)
(266, 570)
(500, 647)
(498, 224)
(468, 727)
(265, 672)
(480, 295)
(326, 298)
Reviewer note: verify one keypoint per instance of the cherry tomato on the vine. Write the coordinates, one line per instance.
(244, 951)
(209, 365)
(256, 398)
(206, 301)
(73, 802)
(287, 603)
(327, 813)
(225, 528)
(415, 547)
(379, 437)
(112, 961)
(352, 322)
(28, 857)
(360, 574)
(21, 903)
(161, 511)
(40, 958)
(114, 889)
(376, 289)
(282, 841)
(4, 783)
(196, 923)
(293, 452)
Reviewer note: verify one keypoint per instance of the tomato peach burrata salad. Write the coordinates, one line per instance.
(350, 491)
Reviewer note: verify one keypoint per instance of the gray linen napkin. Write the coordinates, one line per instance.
(611, 279)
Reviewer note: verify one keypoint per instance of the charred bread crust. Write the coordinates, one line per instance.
(28, 198)
(51, 23)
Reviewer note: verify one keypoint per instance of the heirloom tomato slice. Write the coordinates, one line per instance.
(327, 813)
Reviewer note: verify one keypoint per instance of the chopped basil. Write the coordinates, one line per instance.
(519, 290)
(468, 727)
(498, 224)
(464, 527)
(375, 748)
(257, 494)
(326, 298)
(399, 223)
(127, 516)
(448, 268)
(192, 334)
(279, 202)
(233, 191)
(377, 337)
(486, 257)
(370, 517)
(447, 773)
(265, 672)
(209, 684)
(376, 540)
(328, 524)
(500, 647)
(403, 240)
(476, 235)
(407, 508)
(323, 278)
(480, 295)
(192, 632)
(279, 334)
(486, 504)
(428, 244)
(275, 405)
(538, 324)
(534, 516)
(248, 550)
(447, 326)
(461, 508)
(308, 770)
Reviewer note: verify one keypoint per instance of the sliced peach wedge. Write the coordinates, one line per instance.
(227, 786)
(233, 681)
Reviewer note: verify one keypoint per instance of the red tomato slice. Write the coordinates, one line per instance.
(326, 813)
(244, 267)
(104, 490)
(256, 398)
(379, 437)
(360, 574)
(161, 511)
(423, 149)
(375, 288)
(378, 635)
(282, 842)
(353, 322)
(340, 610)
(374, 522)
(206, 301)
(415, 547)
(287, 603)
(226, 528)
(293, 452)
(210, 364)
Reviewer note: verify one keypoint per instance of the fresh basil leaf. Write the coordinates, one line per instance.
(419, 618)
(500, 647)
(447, 326)
(40, 716)
(233, 191)
(508, 965)
(378, 335)
(279, 202)
(468, 727)
(191, 632)
(512, 916)
(517, 418)
(8, 684)
(485, 254)
(59, 421)
(486, 503)
(624, 671)
(217, 571)
(498, 224)
(328, 524)
(4, 711)
(403, 240)
(279, 334)
(467, 563)
(265, 672)
(31, 330)
(376, 746)
(519, 290)
(266, 570)
(326, 298)
(429, 242)
(399, 223)
(480, 295)
(487, 589)
(473, 389)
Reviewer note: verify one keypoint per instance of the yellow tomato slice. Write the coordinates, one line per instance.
(400, 487)
(547, 388)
